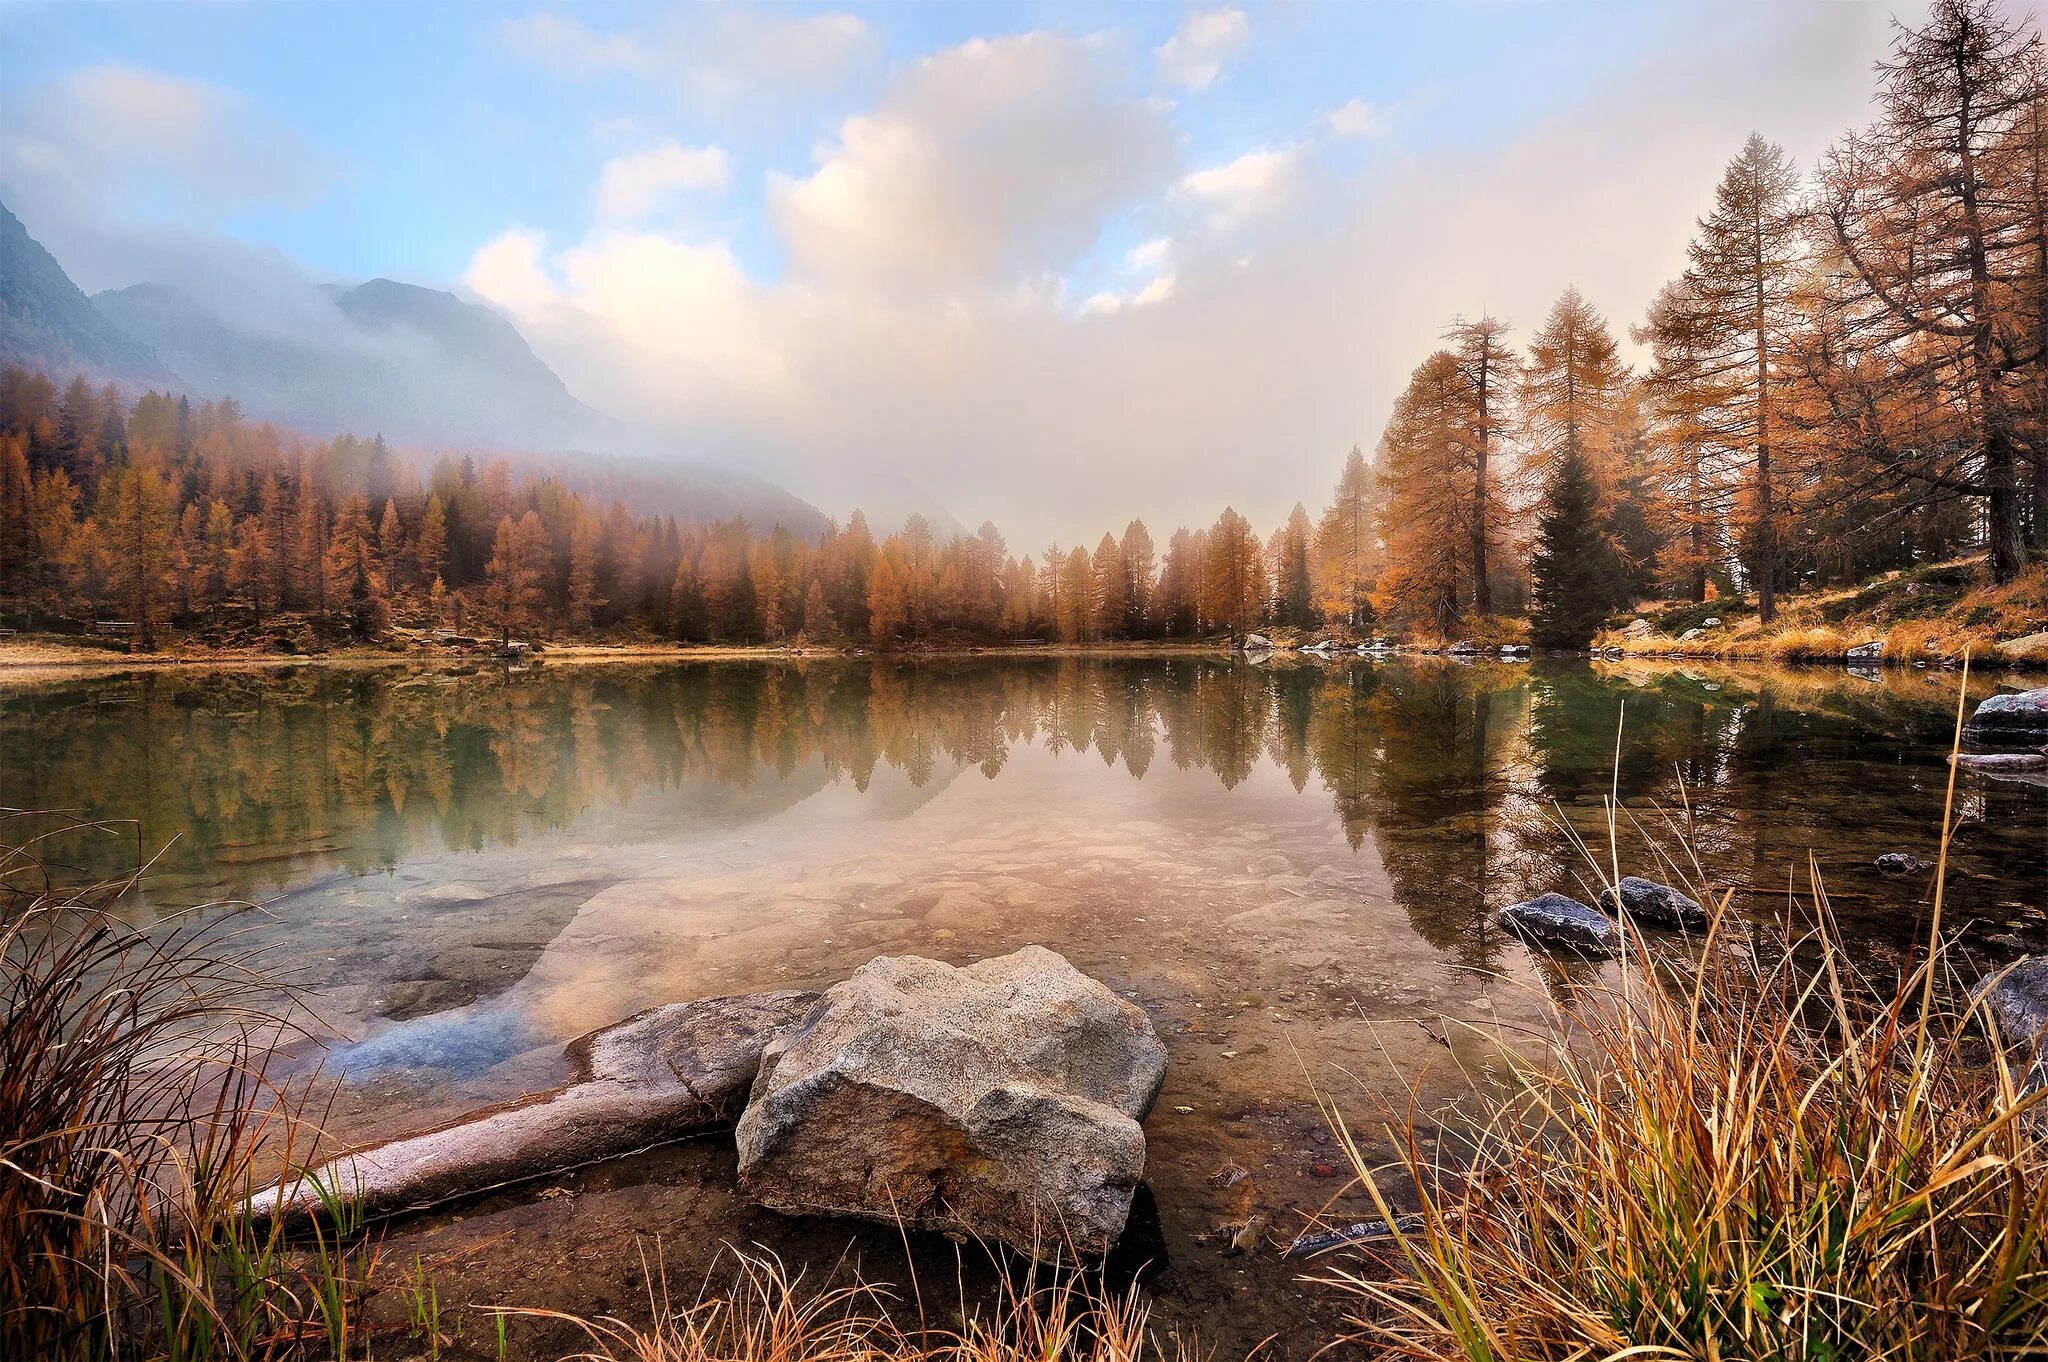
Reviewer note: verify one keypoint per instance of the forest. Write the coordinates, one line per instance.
(1849, 377)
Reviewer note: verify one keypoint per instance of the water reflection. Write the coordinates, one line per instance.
(251, 782)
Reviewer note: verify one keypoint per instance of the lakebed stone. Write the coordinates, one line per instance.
(655, 1077)
(1901, 863)
(1654, 903)
(1002, 1099)
(1562, 923)
(2017, 999)
(2014, 720)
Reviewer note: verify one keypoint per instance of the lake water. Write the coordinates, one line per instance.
(1292, 867)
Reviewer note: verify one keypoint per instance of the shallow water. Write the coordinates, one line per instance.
(1292, 867)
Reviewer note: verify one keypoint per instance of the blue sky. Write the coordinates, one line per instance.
(1186, 253)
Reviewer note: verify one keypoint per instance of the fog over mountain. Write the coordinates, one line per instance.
(47, 322)
(417, 364)
(420, 366)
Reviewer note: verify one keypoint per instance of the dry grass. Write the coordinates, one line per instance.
(1761, 1154)
(1928, 625)
(132, 1103)
(760, 1312)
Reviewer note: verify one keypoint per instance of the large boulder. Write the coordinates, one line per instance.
(2018, 720)
(1659, 904)
(1000, 1099)
(655, 1077)
(1562, 923)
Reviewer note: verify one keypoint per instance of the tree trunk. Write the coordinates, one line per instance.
(1482, 590)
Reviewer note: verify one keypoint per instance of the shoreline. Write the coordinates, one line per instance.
(31, 661)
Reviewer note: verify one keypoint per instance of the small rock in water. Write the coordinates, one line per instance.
(1901, 863)
(1867, 652)
(1244, 1238)
(1655, 903)
(1563, 923)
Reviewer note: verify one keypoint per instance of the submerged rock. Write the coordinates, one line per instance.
(2017, 999)
(1901, 863)
(657, 1076)
(1362, 1232)
(1563, 923)
(2001, 762)
(1660, 904)
(1001, 1099)
(2019, 720)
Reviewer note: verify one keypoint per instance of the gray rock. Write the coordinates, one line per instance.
(1689, 635)
(2001, 762)
(1638, 628)
(1001, 1099)
(1562, 923)
(1901, 863)
(1866, 652)
(2019, 720)
(653, 1078)
(2017, 999)
(1660, 904)
(1464, 645)
(1257, 643)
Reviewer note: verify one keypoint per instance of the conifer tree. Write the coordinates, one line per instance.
(1572, 566)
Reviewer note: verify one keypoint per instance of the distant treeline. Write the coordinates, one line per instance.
(169, 512)
(1851, 376)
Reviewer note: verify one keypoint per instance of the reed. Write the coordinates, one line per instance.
(134, 1102)
(1756, 1150)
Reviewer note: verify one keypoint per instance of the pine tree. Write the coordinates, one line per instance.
(1487, 368)
(1140, 580)
(1572, 566)
(1293, 589)
(1112, 607)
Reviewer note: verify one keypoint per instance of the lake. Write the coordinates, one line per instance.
(1292, 867)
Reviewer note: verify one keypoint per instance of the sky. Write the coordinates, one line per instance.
(1054, 265)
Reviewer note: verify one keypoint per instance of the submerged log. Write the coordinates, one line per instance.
(660, 1075)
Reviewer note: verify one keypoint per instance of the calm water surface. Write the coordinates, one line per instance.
(1288, 866)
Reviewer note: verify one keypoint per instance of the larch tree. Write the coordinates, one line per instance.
(1140, 579)
(1573, 410)
(1685, 390)
(1074, 608)
(1112, 605)
(1429, 503)
(1936, 255)
(516, 576)
(1294, 600)
(1745, 263)
(1233, 592)
(141, 534)
(1347, 546)
(1487, 367)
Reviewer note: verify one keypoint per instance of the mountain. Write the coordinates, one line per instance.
(47, 323)
(416, 364)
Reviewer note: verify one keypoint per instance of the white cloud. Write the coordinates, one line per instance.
(569, 45)
(1150, 256)
(1193, 57)
(102, 134)
(1356, 119)
(1256, 184)
(721, 55)
(636, 184)
(981, 164)
(1271, 307)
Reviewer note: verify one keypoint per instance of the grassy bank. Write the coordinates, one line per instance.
(1931, 616)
